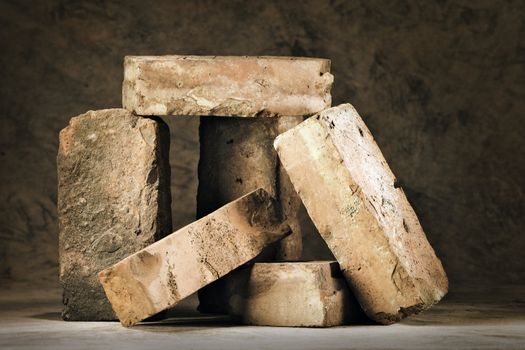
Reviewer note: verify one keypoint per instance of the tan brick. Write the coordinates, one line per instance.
(226, 85)
(356, 204)
(113, 200)
(159, 276)
(292, 294)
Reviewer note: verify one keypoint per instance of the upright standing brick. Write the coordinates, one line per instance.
(236, 157)
(364, 216)
(113, 200)
(159, 276)
(226, 86)
(292, 294)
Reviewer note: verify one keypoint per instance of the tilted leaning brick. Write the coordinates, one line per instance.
(364, 216)
(226, 85)
(113, 200)
(159, 276)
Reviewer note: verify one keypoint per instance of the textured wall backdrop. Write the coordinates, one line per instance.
(441, 85)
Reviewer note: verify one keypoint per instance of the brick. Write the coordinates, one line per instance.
(226, 85)
(236, 157)
(358, 207)
(291, 294)
(159, 276)
(113, 200)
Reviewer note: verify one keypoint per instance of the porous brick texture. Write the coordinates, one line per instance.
(291, 294)
(363, 214)
(159, 276)
(236, 157)
(113, 200)
(226, 85)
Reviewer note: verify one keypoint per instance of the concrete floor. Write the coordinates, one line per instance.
(470, 319)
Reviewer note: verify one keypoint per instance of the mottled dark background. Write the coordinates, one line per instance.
(441, 85)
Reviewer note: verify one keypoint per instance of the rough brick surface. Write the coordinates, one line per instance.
(159, 276)
(236, 157)
(113, 200)
(293, 294)
(226, 86)
(358, 207)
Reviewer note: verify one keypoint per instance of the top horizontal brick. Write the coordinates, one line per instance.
(239, 86)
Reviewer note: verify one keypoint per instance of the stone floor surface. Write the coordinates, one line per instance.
(470, 318)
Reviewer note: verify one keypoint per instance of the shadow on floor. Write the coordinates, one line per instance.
(502, 305)
(187, 324)
(446, 314)
(475, 313)
(49, 316)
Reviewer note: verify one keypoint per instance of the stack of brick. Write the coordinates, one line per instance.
(259, 161)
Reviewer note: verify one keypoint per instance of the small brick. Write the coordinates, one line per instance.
(113, 200)
(291, 294)
(226, 85)
(364, 216)
(159, 276)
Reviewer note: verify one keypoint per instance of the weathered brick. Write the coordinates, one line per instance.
(226, 86)
(364, 216)
(159, 276)
(292, 294)
(113, 200)
(236, 157)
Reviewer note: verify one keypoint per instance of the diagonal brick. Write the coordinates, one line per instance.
(159, 276)
(364, 216)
